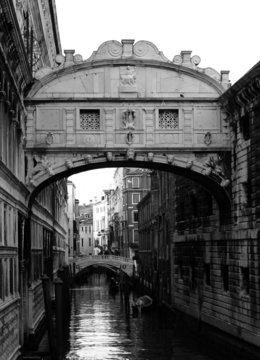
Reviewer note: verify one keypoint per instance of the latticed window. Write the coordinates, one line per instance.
(90, 119)
(168, 119)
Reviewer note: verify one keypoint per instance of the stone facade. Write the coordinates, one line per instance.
(85, 220)
(127, 102)
(32, 239)
(131, 185)
(214, 259)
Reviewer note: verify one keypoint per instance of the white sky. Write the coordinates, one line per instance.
(224, 33)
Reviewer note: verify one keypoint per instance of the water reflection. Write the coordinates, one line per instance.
(103, 327)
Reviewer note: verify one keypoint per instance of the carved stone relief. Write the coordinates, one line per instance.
(128, 80)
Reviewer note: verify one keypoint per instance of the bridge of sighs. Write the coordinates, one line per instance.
(128, 105)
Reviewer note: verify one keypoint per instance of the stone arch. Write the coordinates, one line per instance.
(211, 179)
(112, 267)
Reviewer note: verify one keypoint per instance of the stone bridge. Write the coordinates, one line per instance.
(128, 105)
(109, 261)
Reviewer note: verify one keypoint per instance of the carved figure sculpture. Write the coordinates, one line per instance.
(129, 119)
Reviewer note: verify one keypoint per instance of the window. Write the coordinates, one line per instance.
(225, 277)
(135, 216)
(135, 198)
(180, 269)
(5, 224)
(168, 119)
(1, 280)
(192, 275)
(89, 241)
(1, 222)
(245, 127)
(207, 274)
(245, 280)
(90, 119)
(136, 236)
(82, 242)
(135, 182)
(11, 278)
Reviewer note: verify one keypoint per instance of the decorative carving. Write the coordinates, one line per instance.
(224, 183)
(195, 60)
(130, 154)
(69, 164)
(42, 72)
(129, 138)
(60, 59)
(49, 138)
(128, 80)
(78, 59)
(109, 156)
(128, 77)
(88, 159)
(170, 159)
(42, 164)
(141, 48)
(129, 119)
(177, 60)
(208, 138)
(150, 156)
(114, 49)
(214, 165)
(212, 73)
(189, 164)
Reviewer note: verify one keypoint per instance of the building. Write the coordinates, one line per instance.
(86, 242)
(197, 258)
(72, 228)
(100, 221)
(131, 185)
(32, 238)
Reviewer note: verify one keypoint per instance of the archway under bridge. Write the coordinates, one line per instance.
(128, 105)
(110, 262)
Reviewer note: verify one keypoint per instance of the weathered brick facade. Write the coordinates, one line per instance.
(214, 255)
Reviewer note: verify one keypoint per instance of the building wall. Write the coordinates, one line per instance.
(214, 261)
(21, 302)
(131, 185)
(72, 218)
(100, 221)
(86, 229)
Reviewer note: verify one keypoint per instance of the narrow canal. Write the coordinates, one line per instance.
(102, 326)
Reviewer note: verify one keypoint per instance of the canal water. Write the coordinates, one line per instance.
(102, 326)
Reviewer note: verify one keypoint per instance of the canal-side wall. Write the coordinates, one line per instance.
(211, 269)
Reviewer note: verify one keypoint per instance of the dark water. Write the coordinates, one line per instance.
(103, 327)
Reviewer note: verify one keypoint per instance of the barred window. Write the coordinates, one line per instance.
(90, 119)
(168, 119)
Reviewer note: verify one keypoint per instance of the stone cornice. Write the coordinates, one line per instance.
(8, 175)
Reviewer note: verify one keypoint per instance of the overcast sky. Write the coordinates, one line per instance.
(224, 33)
